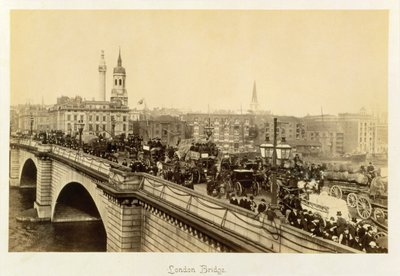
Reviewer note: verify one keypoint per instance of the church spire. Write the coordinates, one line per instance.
(254, 96)
(254, 101)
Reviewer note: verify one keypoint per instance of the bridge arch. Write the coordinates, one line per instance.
(79, 196)
(28, 174)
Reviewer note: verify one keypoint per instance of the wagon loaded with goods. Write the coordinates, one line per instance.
(367, 194)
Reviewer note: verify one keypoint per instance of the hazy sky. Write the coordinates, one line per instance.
(300, 60)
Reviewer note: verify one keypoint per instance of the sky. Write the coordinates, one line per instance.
(302, 61)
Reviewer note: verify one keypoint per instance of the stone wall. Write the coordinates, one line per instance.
(163, 233)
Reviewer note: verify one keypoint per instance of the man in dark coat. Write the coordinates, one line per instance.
(293, 216)
(233, 200)
(262, 207)
(356, 244)
(341, 223)
(368, 238)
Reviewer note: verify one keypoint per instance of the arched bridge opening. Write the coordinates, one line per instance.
(76, 207)
(28, 174)
(74, 203)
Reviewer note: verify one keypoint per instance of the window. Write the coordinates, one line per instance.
(68, 117)
(104, 127)
(90, 127)
(69, 126)
(116, 81)
(104, 118)
(97, 127)
(82, 118)
(120, 82)
(75, 117)
(124, 118)
(90, 118)
(97, 118)
(124, 127)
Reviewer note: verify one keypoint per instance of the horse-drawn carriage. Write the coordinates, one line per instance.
(244, 180)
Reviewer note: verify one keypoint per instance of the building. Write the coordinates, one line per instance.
(13, 119)
(327, 131)
(31, 117)
(232, 133)
(170, 130)
(108, 118)
(359, 132)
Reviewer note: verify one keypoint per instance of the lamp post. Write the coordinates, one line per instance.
(113, 126)
(275, 152)
(274, 190)
(208, 130)
(80, 125)
(31, 117)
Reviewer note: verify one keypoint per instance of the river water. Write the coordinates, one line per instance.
(47, 236)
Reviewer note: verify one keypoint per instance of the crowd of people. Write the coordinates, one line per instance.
(249, 203)
(355, 233)
(208, 147)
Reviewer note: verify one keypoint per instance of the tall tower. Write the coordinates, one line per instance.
(119, 94)
(102, 78)
(254, 101)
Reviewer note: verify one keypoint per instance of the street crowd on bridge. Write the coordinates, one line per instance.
(157, 159)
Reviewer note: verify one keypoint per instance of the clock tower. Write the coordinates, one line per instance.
(119, 94)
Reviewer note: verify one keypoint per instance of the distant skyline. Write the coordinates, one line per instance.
(302, 61)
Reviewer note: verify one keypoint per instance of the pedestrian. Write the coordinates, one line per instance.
(357, 243)
(345, 238)
(340, 222)
(262, 207)
(233, 200)
(253, 204)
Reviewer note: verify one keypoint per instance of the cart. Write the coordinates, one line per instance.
(368, 200)
(325, 205)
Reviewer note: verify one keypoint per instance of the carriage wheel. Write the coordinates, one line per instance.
(364, 208)
(380, 235)
(379, 215)
(256, 188)
(352, 200)
(336, 191)
(238, 188)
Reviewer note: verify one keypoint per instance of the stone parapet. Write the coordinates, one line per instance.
(124, 180)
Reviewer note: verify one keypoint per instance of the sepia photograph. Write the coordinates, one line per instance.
(199, 131)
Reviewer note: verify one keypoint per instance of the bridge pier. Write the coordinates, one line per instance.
(43, 182)
(124, 227)
(14, 167)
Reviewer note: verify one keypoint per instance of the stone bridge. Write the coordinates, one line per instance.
(143, 213)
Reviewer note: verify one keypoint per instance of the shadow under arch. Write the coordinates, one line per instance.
(74, 204)
(28, 174)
